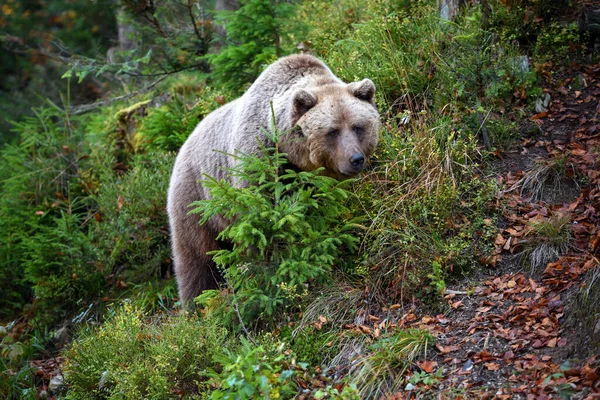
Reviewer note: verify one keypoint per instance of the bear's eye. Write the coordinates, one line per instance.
(333, 132)
(359, 130)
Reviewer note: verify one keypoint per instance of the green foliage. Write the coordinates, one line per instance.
(427, 379)
(157, 38)
(584, 315)
(438, 83)
(437, 278)
(16, 378)
(42, 214)
(130, 228)
(153, 296)
(381, 370)
(502, 131)
(81, 67)
(255, 372)
(60, 262)
(411, 55)
(133, 357)
(288, 228)
(477, 69)
(254, 38)
(427, 206)
(68, 218)
(541, 27)
(167, 127)
(317, 347)
(558, 41)
(330, 22)
(349, 392)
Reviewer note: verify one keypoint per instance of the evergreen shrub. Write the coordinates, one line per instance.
(43, 214)
(287, 229)
(255, 36)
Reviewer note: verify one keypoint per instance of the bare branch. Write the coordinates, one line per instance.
(88, 107)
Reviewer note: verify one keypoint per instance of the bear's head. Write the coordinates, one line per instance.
(339, 127)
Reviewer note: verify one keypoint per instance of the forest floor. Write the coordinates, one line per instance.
(511, 331)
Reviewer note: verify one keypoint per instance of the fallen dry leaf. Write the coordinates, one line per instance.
(427, 366)
(492, 366)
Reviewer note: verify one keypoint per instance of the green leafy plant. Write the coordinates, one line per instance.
(349, 392)
(60, 262)
(130, 228)
(255, 372)
(437, 278)
(426, 378)
(287, 228)
(16, 377)
(43, 206)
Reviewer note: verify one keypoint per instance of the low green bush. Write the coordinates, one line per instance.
(255, 372)
(132, 356)
(60, 261)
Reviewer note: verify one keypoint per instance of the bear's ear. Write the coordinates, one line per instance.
(363, 90)
(302, 102)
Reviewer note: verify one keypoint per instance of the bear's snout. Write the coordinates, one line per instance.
(358, 161)
(352, 165)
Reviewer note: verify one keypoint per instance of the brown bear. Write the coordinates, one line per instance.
(335, 127)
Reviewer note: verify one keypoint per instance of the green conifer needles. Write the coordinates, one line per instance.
(286, 228)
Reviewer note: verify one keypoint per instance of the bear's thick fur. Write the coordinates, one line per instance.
(338, 129)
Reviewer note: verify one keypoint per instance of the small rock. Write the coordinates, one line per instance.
(61, 336)
(541, 104)
(597, 328)
(468, 366)
(103, 380)
(522, 64)
(56, 384)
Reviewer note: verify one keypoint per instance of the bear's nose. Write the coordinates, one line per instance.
(357, 160)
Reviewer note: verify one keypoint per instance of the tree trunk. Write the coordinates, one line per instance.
(449, 8)
(224, 5)
(126, 31)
